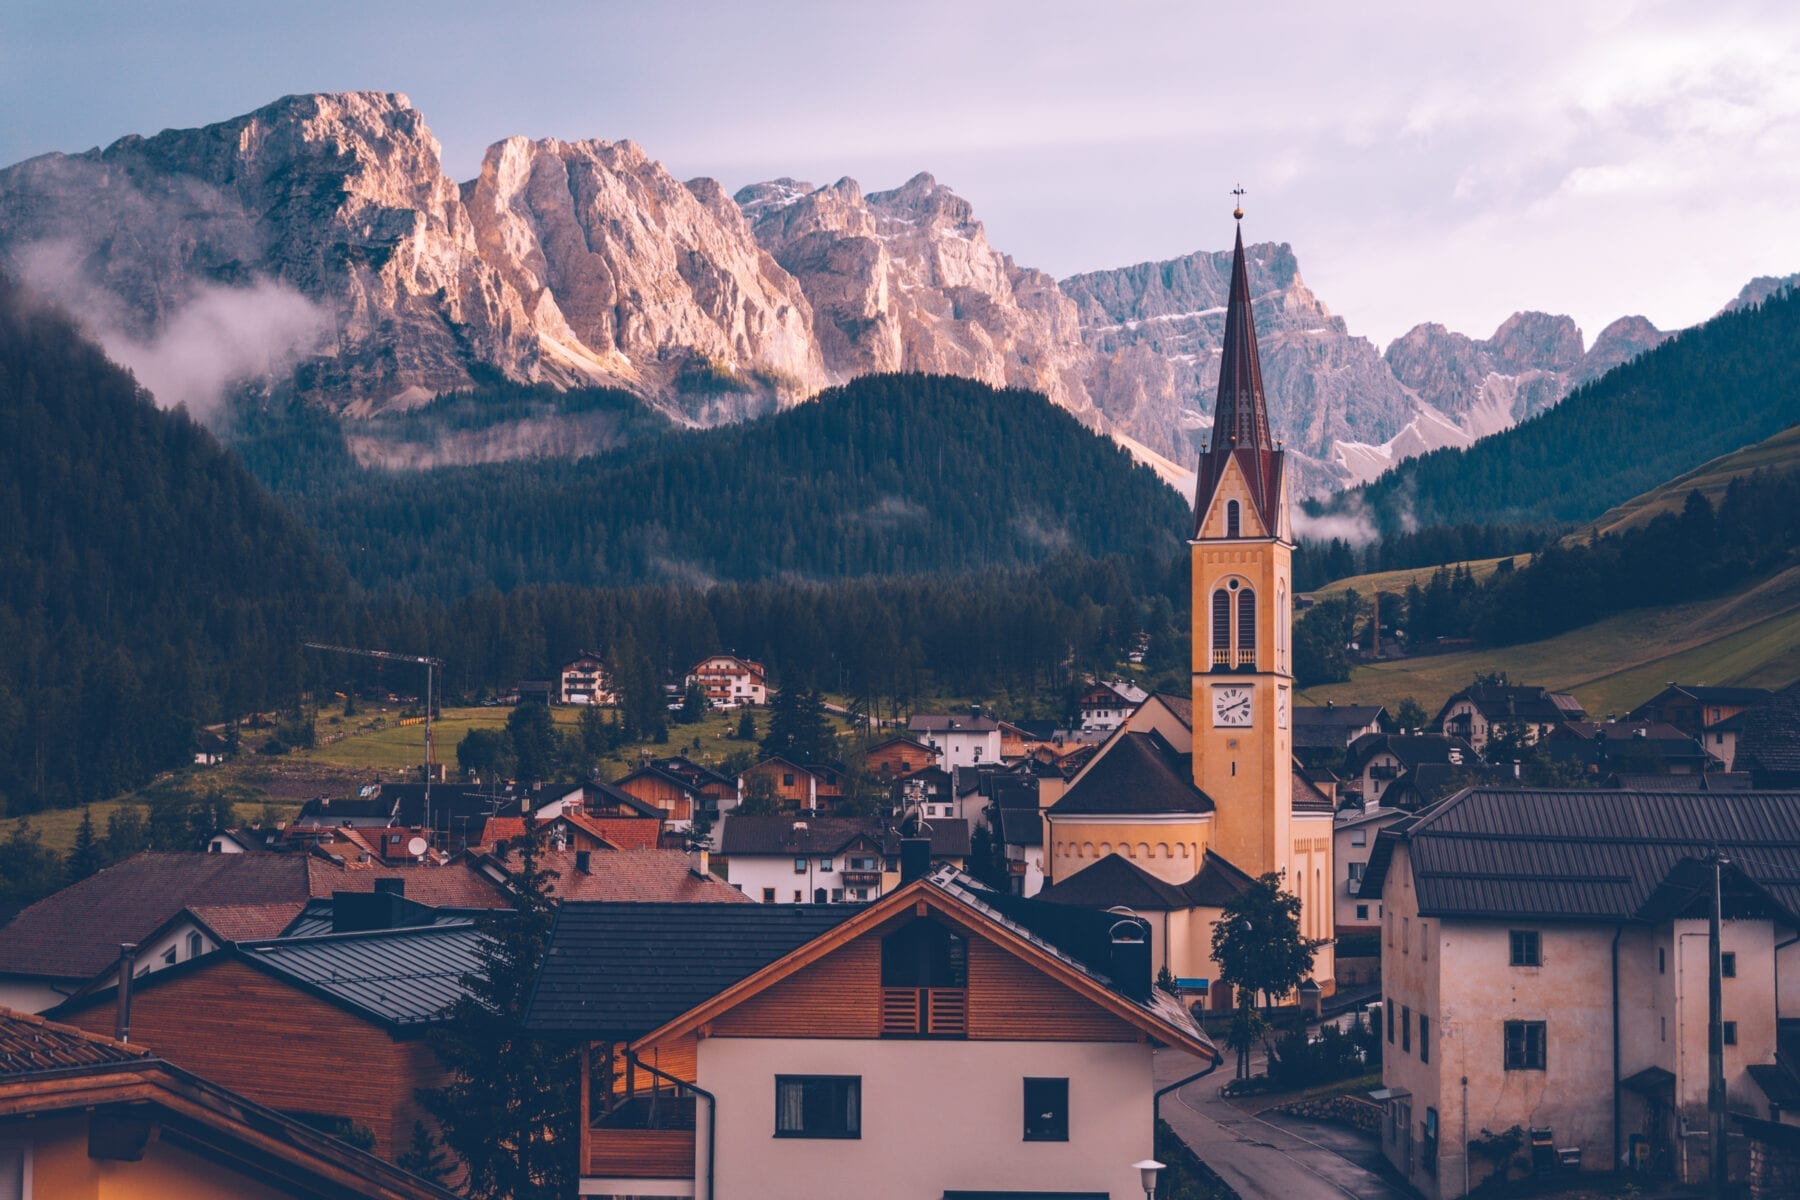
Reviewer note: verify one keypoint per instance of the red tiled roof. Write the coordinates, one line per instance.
(30, 1044)
(624, 833)
(452, 885)
(661, 876)
(247, 922)
(76, 932)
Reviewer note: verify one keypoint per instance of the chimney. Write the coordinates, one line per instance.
(1131, 958)
(122, 1017)
(392, 887)
(702, 861)
(584, 861)
(975, 712)
(915, 858)
(360, 912)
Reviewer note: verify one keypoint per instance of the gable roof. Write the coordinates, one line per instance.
(1181, 706)
(659, 876)
(1515, 702)
(610, 972)
(253, 1141)
(1411, 750)
(612, 794)
(1113, 880)
(396, 978)
(1057, 939)
(943, 723)
(789, 835)
(455, 884)
(1139, 773)
(1584, 854)
(1308, 797)
(75, 933)
(1018, 826)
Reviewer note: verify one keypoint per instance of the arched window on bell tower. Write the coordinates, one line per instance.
(1221, 628)
(1233, 519)
(1246, 623)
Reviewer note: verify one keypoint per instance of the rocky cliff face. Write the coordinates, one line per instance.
(906, 280)
(587, 262)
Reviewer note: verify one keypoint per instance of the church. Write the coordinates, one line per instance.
(1194, 796)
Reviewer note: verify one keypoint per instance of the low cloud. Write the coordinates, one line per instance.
(219, 337)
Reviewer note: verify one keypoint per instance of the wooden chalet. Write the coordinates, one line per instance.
(327, 1029)
(801, 1050)
(679, 788)
(805, 787)
(897, 756)
(85, 1117)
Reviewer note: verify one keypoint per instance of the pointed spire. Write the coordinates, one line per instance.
(1241, 416)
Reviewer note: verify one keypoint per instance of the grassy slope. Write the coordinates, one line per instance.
(1781, 452)
(1395, 582)
(1749, 637)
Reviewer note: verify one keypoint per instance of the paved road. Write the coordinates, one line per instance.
(1293, 1160)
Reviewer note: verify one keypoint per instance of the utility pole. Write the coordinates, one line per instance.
(1715, 1036)
(432, 666)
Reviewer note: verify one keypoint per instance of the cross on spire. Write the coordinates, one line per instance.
(1238, 211)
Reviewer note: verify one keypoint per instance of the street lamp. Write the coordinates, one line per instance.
(1147, 1172)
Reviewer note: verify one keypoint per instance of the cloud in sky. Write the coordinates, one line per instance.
(1427, 161)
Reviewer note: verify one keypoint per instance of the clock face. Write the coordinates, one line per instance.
(1231, 706)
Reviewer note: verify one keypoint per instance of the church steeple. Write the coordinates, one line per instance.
(1240, 431)
(1241, 416)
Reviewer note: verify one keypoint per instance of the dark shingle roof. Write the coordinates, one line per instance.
(1019, 826)
(1412, 750)
(1216, 882)
(31, 1044)
(1512, 702)
(621, 970)
(1594, 855)
(74, 933)
(827, 835)
(939, 723)
(1115, 879)
(1770, 742)
(1139, 773)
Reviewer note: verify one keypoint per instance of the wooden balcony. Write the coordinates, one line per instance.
(925, 1012)
(639, 1153)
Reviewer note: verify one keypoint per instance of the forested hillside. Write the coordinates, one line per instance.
(147, 582)
(1729, 382)
(894, 474)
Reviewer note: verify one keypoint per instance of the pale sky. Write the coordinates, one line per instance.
(1447, 162)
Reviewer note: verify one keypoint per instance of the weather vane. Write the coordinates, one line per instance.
(1238, 212)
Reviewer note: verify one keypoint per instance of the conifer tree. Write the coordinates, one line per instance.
(87, 855)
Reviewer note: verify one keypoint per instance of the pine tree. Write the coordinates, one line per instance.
(88, 855)
(510, 1109)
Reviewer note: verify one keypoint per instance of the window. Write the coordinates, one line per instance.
(1356, 871)
(194, 945)
(837, 895)
(1425, 941)
(768, 895)
(1406, 935)
(824, 864)
(798, 895)
(1359, 837)
(1221, 626)
(1390, 1017)
(1525, 1045)
(818, 1106)
(1246, 626)
(1728, 965)
(1234, 519)
(1730, 1032)
(1662, 960)
(1527, 948)
(1406, 1028)
(169, 956)
(787, 779)
(1424, 1038)
(799, 866)
(1362, 912)
(1046, 1110)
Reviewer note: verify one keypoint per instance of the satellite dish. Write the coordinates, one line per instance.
(417, 847)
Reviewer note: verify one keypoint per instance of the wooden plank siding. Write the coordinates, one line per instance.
(840, 996)
(639, 1153)
(281, 1047)
(652, 789)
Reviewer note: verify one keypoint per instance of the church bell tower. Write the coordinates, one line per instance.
(1242, 604)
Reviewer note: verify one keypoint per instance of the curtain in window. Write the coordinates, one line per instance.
(790, 1106)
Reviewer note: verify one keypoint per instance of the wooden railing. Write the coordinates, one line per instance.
(640, 1153)
(924, 1012)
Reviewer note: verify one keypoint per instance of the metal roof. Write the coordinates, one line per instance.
(397, 977)
(1585, 854)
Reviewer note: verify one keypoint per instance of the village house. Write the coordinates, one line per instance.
(1714, 715)
(360, 1003)
(730, 682)
(890, 758)
(825, 860)
(929, 789)
(652, 876)
(967, 1042)
(1480, 712)
(85, 1117)
(1020, 833)
(797, 787)
(1768, 748)
(1377, 760)
(958, 741)
(1544, 958)
(1353, 835)
(1104, 706)
(1322, 732)
(679, 788)
(586, 680)
(1601, 748)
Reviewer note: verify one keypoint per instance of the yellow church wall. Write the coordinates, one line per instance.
(1169, 848)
